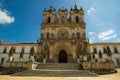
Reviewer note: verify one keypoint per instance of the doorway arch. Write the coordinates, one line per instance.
(62, 57)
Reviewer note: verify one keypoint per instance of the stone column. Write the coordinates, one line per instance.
(85, 58)
(32, 58)
(44, 61)
(51, 53)
(74, 53)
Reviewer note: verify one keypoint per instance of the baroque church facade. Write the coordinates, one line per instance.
(63, 40)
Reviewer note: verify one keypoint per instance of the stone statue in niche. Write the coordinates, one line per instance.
(62, 19)
(79, 50)
(21, 54)
(31, 57)
(45, 52)
(10, 58)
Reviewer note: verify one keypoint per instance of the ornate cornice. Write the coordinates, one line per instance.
(70, 25)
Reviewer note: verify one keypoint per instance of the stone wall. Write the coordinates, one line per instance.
(29, 65)
(98, 65)
(115, 50)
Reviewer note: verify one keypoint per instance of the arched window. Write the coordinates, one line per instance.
(104, 50)
(62, 36)
(84, 34)
(73, 35)
(77, 19)
(78, 35)
(52, 36)
(41, 35)
(115, 50)
(94, 50)
(13, 50)
(63, 19)
(47, 36)
(118, 62)
(49, 19)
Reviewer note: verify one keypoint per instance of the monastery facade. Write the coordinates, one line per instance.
(63, 40)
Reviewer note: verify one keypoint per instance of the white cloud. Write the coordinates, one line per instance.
(91, 33)
(5, 18)
(92, 9)
(92, 36)
(118, 40)
(107, 35)
(104, 34)
(90, 40)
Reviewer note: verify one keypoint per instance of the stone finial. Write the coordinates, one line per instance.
(65, 9)
(71, 8)
(50, 7)
(38, 40)
(54, 9)
(59, 10)
(81, 8)
(75, 7)
(45, 9)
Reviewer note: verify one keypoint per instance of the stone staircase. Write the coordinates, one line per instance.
(56, 70)
(56, 73)
(59, 66)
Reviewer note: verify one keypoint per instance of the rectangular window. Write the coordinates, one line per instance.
(118, 62)
(94, 50)
(104, 50)
(115, 50)
(13, 50)
(2, 61)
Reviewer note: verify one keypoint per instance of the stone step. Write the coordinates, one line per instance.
(56, 73)
(59, 66)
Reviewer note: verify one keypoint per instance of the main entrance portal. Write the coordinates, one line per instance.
(62, 57)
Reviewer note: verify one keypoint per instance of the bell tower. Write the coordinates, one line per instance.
(49, 16)
(63, 31)
(63, 16)
(76, 15)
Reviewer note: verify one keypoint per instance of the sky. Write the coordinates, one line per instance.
(20, 20)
